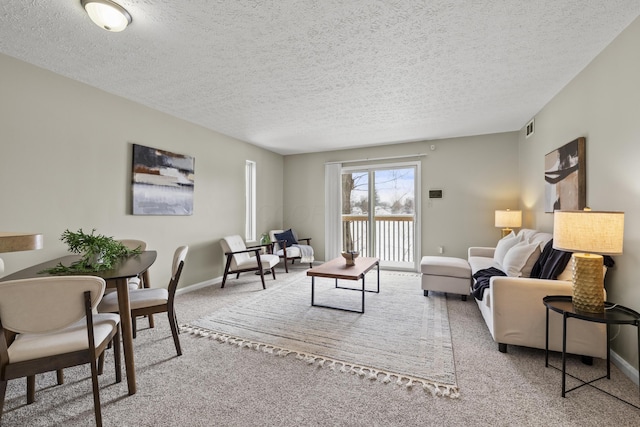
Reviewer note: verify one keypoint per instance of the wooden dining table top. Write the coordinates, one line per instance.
(126, 267)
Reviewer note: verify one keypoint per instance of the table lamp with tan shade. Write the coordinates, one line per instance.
(590, 235)
(508, 219)
(15, 242)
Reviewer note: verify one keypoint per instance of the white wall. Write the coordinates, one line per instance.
(477, 175)
(65, 162)
(602, 105)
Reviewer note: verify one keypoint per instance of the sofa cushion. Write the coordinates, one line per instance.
(523, 254)
(503, 246)
(445, 266)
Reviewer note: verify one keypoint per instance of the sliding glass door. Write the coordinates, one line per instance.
(379, 216)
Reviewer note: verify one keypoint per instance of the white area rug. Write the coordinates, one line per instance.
(402, 336)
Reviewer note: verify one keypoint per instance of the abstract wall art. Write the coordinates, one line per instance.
(162, 182)
(565, 177)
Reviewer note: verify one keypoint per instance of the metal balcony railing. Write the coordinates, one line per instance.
(394, 236)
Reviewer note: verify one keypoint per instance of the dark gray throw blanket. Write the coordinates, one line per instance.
(551, 263)
(482, 279)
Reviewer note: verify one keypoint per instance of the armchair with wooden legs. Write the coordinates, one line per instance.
(239, 259)
(286, 244)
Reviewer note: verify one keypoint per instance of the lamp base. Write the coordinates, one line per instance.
(506, 231)
(588, 283)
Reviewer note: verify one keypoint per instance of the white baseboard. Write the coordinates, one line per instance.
(625, 367)
(196, 286)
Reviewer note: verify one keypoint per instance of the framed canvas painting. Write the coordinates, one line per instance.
(565, 177)
(162, 182)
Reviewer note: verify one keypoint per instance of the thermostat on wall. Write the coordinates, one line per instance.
(435, 194)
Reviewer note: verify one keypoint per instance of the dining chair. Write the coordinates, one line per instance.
(137, 281)
(147, 301)
(47, 324)
(239, 259)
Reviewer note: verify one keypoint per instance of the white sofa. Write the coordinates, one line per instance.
(513, 310)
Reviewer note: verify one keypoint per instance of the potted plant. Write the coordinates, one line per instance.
(98, 251)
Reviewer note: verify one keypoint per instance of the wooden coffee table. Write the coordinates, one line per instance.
(338, 269)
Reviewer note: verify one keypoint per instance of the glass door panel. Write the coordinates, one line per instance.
(379, 215)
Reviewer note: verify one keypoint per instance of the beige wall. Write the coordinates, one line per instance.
(477, 175)
(602, 105)
(65, 162)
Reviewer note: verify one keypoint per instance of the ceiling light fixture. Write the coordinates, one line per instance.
(107, 14)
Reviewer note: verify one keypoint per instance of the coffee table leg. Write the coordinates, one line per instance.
(312, 286)
(363, 293)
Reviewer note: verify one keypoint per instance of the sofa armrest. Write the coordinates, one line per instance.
(519, 316)
(481, 251)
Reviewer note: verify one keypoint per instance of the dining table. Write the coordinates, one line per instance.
(116, 277)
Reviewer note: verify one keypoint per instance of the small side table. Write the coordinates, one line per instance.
(614, 314)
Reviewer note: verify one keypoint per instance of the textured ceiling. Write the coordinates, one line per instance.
(298, 76)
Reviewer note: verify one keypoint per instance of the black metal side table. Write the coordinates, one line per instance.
(614, 314)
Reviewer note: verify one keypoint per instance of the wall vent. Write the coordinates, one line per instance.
(529, 128)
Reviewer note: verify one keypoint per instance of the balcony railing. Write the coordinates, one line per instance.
(394, 236)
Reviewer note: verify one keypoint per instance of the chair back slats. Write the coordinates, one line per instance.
(46, 304)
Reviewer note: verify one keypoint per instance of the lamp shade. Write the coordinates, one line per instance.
(14, 242)
(107, 14)
(587, 231)
(508, 218)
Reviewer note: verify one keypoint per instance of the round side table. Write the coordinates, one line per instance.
(614, 314)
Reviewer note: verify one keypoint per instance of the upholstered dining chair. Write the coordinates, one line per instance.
(47, 324)
(134, 282)
(147, 301)
(286, 244)
(241, 258)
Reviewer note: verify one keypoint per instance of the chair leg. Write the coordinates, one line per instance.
(262, 278)
(286, 267)
(134, 326)
(116, 355)
(31, 389)
(273, 273)
(101, 363)
(3, 392)
(226, 270)
(96, 392)
(173, 323)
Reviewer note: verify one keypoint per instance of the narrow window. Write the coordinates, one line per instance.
(250, 205)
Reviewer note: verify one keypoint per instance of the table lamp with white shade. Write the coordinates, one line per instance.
(590, 235)
(508, 219)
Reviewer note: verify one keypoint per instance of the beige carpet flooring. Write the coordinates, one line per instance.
(215, 384)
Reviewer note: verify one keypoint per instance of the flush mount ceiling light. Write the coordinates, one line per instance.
(107, 14)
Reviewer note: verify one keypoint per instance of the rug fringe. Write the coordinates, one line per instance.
(405, 381)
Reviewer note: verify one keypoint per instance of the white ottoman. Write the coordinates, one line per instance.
(445, 274)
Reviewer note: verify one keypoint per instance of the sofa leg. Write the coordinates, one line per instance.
(502, 348)
(426, 293)
(463, 297)
(587, 360)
